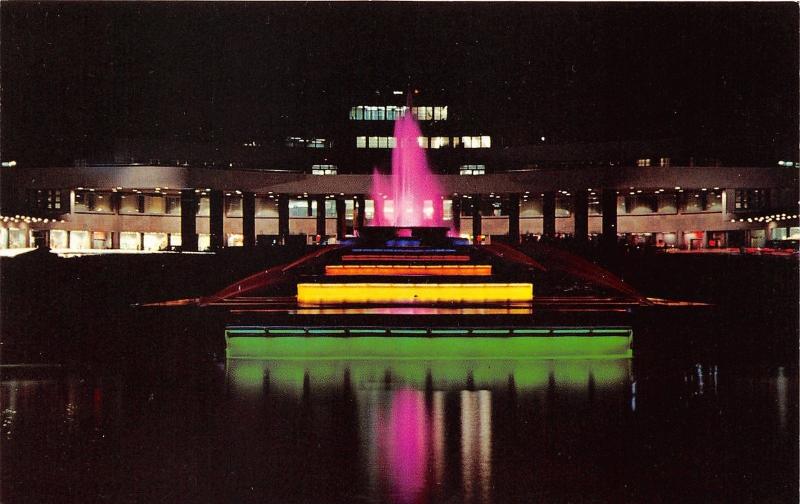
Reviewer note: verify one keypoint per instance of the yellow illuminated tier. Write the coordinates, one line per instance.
(408, 269)
(380, 293)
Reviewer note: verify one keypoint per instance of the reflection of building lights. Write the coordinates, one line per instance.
(476, 443)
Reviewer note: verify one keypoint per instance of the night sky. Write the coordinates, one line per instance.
(77, 76)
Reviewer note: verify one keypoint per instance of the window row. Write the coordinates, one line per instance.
(129, 203)
(310, 143)
(472, 169)
(752, 199)
(324, 169)
(635, 204)
(130, 240)
(663, 162)
(437, 142)
(392, 112)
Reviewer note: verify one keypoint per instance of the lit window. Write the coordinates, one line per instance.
(439, 142)
(476, 142)
(128, 240)
(173, 206)
(423, 142)
(376, 142)
(664, 162)
(393, 112)
(155, 241)
(427, 209)
(472, 169)
(311, 143)
(643, 162)
(128, 203)
(323, 169)
(298, 208)
(235, 240)
(154, 204)
(233, 206)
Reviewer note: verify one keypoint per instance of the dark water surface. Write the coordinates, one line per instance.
(447, 431)
(142, 408)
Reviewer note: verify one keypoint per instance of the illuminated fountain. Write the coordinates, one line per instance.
(404, 289)
(411, 196)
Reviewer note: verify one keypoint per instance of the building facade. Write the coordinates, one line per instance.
(315, 185)
(140, 207)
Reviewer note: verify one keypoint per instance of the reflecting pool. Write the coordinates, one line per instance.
(405, 431)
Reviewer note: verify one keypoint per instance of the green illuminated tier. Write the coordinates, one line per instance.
(422, 344)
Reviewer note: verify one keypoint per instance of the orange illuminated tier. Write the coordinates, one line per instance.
(404, 258)
(403, 293)
(408, 269)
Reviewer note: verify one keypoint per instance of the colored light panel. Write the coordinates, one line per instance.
(408, 269)
(413, 346)
(405, 258)
(372, 293)
(405, 250)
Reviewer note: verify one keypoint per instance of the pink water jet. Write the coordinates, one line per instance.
(411, 195)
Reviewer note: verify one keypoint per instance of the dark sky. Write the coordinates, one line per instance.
(76, 76)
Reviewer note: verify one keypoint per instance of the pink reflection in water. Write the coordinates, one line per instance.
(403, 445)
(411, 196)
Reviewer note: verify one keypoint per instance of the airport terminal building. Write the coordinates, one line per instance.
(316, 186)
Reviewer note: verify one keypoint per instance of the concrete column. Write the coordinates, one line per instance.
(608, 201)
(283, 217)
(679, 239)
(188, 220)
(581, 215)
(115, 240)
(456, 209)
(216, 201)
(476, 215)
(341, 218)
(360, 205)
(116, 202)
(249, 219)
(728, 204)
(549, 214)
(320, 215)
(513, 218)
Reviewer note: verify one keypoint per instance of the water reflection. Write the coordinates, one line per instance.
(424, 423)
(403, 448)
(476, 444)
(402, 431)
(246, 376)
